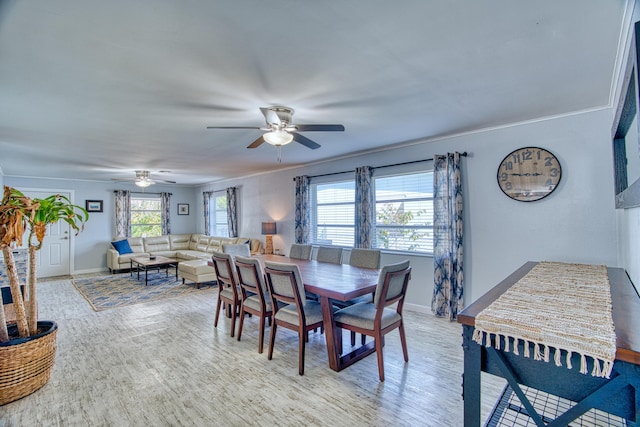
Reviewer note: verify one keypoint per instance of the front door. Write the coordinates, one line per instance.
(54, 258)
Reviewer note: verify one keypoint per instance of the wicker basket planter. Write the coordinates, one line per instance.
(26, 363)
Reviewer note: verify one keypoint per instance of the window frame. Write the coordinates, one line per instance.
(213, 210)
(314, 211)
(134, 225)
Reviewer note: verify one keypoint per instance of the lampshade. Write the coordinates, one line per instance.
(143, 183)
(278, 137)
(269, 228)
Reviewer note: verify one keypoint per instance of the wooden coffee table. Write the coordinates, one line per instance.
(144, 263)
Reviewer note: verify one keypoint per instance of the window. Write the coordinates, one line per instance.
(146, 216)
(404, 212)
(218, 225)
(333, 213)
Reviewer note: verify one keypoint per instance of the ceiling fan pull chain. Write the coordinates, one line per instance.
(279, 147)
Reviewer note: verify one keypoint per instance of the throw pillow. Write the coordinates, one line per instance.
(122, 246)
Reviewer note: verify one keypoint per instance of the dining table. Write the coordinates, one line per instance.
(334, 282)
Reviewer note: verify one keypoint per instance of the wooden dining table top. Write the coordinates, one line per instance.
(341, 282)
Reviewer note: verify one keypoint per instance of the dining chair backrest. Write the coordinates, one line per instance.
(250, 277)
(392, 284)
(332, 254)
(222, 263)
(234, 250)
(366, 258)
(285, 283)
(299, 251)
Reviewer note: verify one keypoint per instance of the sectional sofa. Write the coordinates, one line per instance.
(183, 247)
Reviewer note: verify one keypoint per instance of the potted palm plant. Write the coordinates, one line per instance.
(27, 348)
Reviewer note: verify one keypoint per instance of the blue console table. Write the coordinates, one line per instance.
(618, 395)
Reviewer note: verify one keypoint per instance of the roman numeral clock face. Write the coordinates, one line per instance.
(528, 174)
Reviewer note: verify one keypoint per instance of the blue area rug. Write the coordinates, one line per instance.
(118, 290)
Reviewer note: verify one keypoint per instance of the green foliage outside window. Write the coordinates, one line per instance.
(146, 217)
(392, 231)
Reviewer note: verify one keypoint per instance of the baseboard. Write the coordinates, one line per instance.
(417, 308)
(91, 270)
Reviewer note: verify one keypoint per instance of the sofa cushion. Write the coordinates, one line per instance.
(122, 246)
(156, 244)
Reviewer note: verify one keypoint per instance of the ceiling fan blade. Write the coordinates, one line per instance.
(256, 143)
(232, 127)
(305, 141)
(311, 128)
(163, 181)
(270, 116)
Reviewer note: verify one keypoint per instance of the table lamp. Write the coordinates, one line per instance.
(269, 229)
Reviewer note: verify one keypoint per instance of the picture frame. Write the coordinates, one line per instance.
(183, 209)
(93, 205)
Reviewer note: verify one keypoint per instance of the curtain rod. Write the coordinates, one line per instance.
(464, 154)
(142, 192)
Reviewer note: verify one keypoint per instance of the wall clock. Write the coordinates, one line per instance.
(529, 174)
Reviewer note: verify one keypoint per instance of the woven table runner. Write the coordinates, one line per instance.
(556, 306)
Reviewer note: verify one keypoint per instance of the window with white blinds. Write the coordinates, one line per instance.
(332, 216)
(218, 225)
(404, 212)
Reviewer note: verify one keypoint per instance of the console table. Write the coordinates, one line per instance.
(616, 395)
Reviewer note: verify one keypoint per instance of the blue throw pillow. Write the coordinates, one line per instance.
(122, 246)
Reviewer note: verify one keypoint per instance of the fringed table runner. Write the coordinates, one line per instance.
(556, 306)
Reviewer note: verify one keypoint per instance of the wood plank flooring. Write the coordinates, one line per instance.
(164, 364)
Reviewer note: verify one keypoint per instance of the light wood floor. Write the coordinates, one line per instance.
(164, 364)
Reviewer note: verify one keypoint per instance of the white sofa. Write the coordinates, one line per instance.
(179, 246)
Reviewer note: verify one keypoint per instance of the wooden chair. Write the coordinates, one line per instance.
(375, 319)
(228, 291)
(300, 251)
(298, 313)
(330, 254)
(254, 294)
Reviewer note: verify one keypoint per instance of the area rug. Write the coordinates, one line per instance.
(118, 290)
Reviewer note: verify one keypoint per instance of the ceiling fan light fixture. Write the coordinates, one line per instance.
(278, 137)
(144, 183)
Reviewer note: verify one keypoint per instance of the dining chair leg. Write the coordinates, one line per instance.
(272, 340)
(301, 351)
(353, 339)
(215, 322)
(403, 341)
(379, 345)
(261, 335)
(242, 313)
(234, 309)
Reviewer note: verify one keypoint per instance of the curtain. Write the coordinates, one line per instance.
(365, 208)
(206, 197)
(165, 207)
(448, 275)
(123, 213)
(303, 209)
(232, 213)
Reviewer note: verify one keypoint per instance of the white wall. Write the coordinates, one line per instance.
(577, 223)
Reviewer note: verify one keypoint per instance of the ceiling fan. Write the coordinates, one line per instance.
(143, 179)
(280, 129)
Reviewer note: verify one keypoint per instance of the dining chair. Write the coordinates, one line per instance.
(228, 292)
(366, 258)
(375, 319)
(298, 313)
(254, 295)
(332, 254)
(299, 251)
(234, 250)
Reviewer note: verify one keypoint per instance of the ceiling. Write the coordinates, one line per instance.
(98, 89)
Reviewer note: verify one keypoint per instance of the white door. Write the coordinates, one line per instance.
(54, 258)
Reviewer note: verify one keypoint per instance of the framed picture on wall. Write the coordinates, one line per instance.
(183, 209)
(93, 205)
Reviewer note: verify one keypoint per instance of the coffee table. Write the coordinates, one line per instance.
(144, 263)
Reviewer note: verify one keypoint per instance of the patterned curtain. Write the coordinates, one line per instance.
(123, 213)
(303, 209)
(232, 213)
(365, 208)
(165, 207)
(206, 197)
(447, 226)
